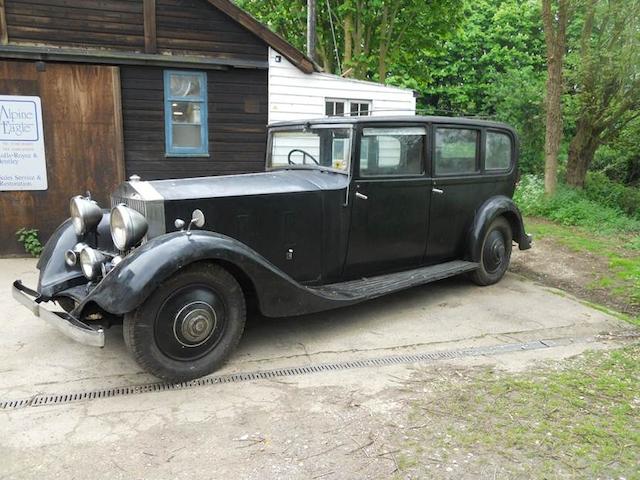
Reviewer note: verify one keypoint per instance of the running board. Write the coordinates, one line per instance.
(368, 288)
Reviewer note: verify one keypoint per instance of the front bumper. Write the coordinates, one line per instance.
(65, 323)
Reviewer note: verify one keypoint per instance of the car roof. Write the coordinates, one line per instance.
(396, 118)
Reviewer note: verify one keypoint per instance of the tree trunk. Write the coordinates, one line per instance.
(348, 41)
(553, 134)
(382, 65)
(555, 27)
(582, 149)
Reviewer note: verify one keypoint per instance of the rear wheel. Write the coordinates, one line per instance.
(189, 326)
(496, 253)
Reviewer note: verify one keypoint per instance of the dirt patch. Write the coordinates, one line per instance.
(553, 264)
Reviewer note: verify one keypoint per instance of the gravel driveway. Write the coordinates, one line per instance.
(305, 423)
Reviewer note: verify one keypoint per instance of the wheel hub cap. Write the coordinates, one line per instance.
(194, 324)
(495, 251)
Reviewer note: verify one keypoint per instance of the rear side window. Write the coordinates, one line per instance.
(498, 151)
(456, 151)
(392, 151)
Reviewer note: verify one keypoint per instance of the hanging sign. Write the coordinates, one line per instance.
(22, 160)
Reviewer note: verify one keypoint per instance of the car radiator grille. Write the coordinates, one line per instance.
(133, 203)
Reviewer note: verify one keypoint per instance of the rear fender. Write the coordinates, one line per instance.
(487, 213)
(131, 282)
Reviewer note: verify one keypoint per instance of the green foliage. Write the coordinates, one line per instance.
(571, 207)
(603, 191)
(619, 159)
(494, 66)
(28, 237)
(372, 37)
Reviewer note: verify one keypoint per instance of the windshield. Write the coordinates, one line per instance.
(315, 147)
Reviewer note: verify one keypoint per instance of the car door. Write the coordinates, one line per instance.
(462, 182)
(390, 195)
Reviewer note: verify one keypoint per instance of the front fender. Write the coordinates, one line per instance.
(55, 274)
(129, 284)
(487, 213)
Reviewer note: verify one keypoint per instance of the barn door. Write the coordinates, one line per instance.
(82, 120)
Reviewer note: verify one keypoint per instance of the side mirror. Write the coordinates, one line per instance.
(197, 218)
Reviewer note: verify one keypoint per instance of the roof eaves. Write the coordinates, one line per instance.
(271, 38)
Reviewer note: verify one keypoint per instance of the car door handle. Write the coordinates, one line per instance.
(361, 196)
(437, 190)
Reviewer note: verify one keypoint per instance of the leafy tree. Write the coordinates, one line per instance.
(371, 36)
(494, 67)
(606, 79)
(620, 159)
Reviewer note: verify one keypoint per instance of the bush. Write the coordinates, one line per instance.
(600, 189)
(572, 207)
(29, 239)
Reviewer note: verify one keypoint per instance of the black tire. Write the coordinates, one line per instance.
(496, 253)
(189, 326)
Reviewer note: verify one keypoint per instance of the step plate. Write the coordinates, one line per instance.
(372, 287)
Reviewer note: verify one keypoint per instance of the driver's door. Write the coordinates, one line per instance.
(389, 201)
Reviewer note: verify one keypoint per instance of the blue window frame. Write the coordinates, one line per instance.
(185, 113)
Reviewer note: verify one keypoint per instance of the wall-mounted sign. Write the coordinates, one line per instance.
(22, 161)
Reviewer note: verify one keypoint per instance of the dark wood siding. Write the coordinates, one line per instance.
(238, 115)
(195, 26)
(114, 24)
(192, 27)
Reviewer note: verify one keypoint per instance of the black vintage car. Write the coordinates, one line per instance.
(348, 210)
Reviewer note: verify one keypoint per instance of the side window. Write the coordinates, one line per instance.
(392, 151)
(360, 109)
(185, 97)
(456, 151)
(334, 108)
(498, 151)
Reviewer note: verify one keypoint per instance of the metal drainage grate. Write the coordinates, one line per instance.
(429, 357)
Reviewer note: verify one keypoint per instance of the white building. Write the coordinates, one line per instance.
(295, 95)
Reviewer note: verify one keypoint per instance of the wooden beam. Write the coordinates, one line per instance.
(111, 57)
(272, 39)
(4, 34)
(150, 38)
(118, 124)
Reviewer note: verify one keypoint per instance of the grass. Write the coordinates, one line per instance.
(622, 277)
(581, 420)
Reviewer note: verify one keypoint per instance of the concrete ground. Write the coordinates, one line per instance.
(301, 426)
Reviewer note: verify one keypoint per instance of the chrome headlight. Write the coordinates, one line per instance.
(72, 256)
(85, 214)
(127, 227)
(91, 261)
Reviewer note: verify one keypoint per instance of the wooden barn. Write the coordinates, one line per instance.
(92, 91)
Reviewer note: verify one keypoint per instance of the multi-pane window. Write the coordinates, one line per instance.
(456, 151)
(498, 151)
(334, 108)
(185, 96)
(353, 108)
(359, 109)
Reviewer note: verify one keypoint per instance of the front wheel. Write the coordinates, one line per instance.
(496, 253)
(189, 326)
